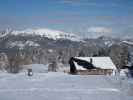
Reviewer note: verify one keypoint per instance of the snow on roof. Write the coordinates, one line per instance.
(100, 62)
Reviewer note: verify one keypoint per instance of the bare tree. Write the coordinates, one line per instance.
(119, 55)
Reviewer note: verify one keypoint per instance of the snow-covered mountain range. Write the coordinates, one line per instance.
(57, 35)
(54, 35)
(43, 32)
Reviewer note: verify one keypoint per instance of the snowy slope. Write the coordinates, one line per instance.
(36, 68)
(59, 86)
(53, 34)
(127, 42)
(21, 44)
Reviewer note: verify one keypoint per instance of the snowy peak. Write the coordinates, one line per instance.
(53, 34)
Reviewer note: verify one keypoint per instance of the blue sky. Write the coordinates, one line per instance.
(78, 16)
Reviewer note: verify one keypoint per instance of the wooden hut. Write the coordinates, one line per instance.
(92, 66)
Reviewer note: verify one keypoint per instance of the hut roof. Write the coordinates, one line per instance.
(98, 62)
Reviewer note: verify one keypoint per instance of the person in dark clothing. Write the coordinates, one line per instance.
(130, 69)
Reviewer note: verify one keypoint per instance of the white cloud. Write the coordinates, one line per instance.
(99, 30)
(95, 32)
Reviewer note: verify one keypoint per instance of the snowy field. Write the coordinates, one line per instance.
(60, 86)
